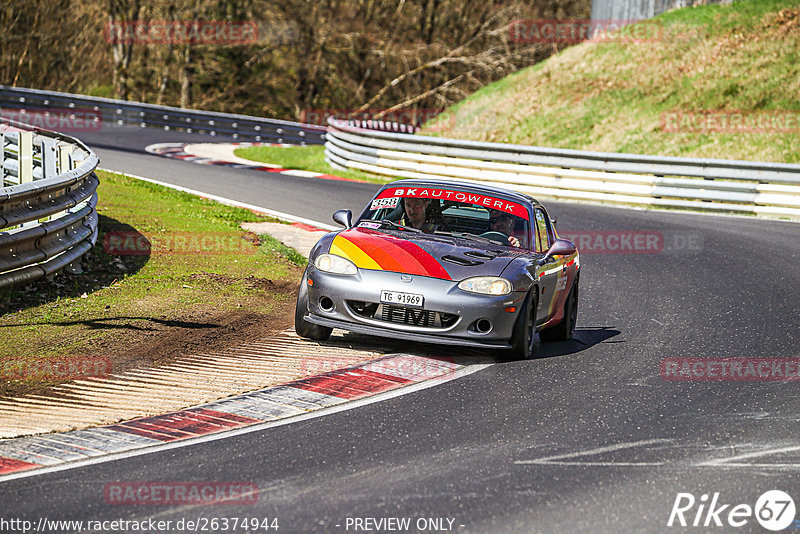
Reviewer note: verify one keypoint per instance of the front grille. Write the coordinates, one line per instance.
(402, 314)
(412, 316)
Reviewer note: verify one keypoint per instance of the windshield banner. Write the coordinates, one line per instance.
(456, 196)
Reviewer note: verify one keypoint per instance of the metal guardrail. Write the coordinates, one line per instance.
(122, 112)
(48, 196)
(667, 182)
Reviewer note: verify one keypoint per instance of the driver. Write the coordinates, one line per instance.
(420, 214)
(500, 221)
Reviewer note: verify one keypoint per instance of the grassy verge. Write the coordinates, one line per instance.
(304, 158)
(617, 96)
(166, 264)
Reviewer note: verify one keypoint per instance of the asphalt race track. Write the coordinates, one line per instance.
(589, 438)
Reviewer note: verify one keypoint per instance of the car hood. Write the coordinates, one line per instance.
(442, 257)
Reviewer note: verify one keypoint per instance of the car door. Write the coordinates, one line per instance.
(551, 274)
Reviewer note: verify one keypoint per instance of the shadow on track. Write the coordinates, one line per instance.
(583, 338)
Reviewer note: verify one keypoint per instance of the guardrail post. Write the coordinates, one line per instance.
(25, 160)
(2, 159)
(64, 158)
(49, 158)
(25, 157)
(65, 163)
(62, 162)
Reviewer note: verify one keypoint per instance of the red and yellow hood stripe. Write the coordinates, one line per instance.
(382, 252)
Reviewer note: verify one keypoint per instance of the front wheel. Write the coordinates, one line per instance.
(524, 341)
(301, 326)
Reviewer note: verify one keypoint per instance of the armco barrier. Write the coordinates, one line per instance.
(121, 112)
(47, 203)
(717, 185)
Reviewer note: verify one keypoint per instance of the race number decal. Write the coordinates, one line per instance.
(388, 202)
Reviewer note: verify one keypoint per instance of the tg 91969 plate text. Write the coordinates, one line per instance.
(403, 299)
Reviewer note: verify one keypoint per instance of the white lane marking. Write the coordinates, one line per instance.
(302, 174)
(734, 461)
(229, 202)
(459, 373)
(558, 459)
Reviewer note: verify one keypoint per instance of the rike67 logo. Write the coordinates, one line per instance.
(774, 510)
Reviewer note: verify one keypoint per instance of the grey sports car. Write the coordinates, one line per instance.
(444, 262)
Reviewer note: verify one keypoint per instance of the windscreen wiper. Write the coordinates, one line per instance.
(400, 226)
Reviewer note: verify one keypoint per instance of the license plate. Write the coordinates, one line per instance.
(402, 299)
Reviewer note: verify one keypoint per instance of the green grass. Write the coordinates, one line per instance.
(612, 96)
(304, 158)
(183, 280)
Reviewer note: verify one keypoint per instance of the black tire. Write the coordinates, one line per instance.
(303, 327)
(524, 341)
(564, 330)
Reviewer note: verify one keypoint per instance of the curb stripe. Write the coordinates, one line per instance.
(356, 384)
(108, 435)
(130, 428)
(299, 398)
(11, 465)
(177, 151)
(156, 447)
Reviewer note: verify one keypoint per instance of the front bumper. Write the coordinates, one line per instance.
(408, 336)
(457, 311)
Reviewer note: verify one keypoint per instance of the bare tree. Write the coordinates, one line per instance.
(121, 13)
(367, 54)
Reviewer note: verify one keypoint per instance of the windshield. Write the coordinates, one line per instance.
(449, 212)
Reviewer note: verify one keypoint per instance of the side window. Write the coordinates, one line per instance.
(543, 232)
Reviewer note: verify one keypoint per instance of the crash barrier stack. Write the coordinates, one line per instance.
(383, 126)
(716, 185)
(109, 112)
(48, 197)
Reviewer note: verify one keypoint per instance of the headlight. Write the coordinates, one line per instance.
(331, 263)
(487, 285)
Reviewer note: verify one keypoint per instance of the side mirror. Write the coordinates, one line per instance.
(345, 218)
(562, 247)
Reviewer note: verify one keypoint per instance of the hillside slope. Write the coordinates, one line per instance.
(740, 63)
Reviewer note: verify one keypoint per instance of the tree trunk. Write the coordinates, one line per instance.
(186, 78)
(121, 12)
